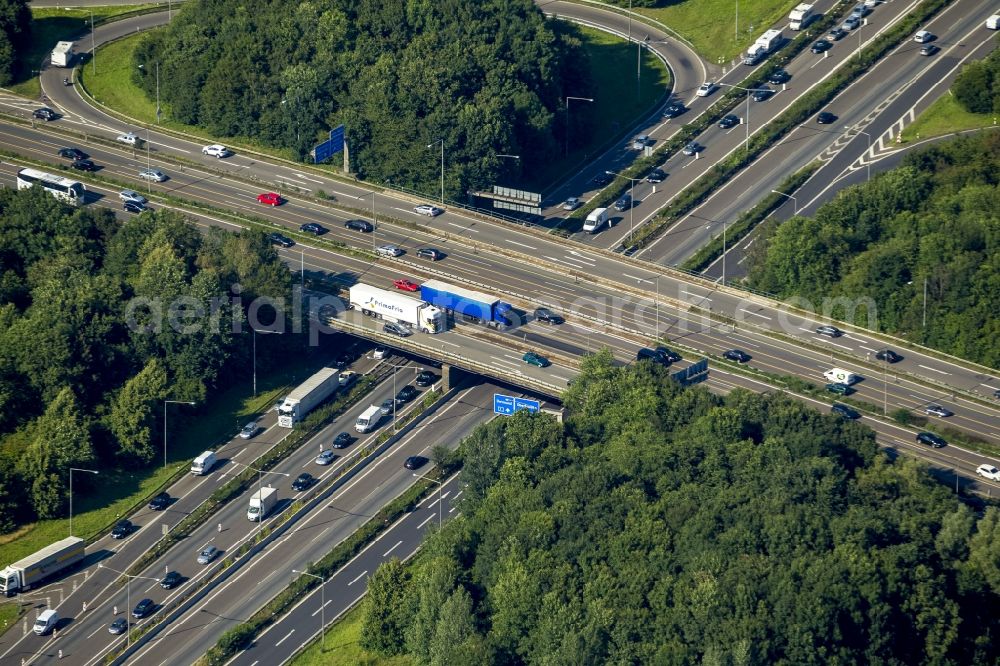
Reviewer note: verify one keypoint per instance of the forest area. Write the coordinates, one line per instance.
(663, 525)
(83, 377)
(922, 241)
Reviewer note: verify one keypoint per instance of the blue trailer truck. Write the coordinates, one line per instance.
(470, 305)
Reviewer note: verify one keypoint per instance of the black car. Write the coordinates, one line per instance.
(73, 154)
(313, 228)
(281, 239)
(737, 355)
(624, 203)
(396, 329)
(888, 356)
(44, 113)
(656, 176)
(729, 121)
(359, 225)
(160, 502)
(668, 354)
(821, 46)
(829, 331)
(426, 378)
(303, 481)
(430, 253)
(342, 441)
(122, 529)
(143, 608)
(548, 316)
(170, 581)
(931, 440)
(84, 165)
(844, 411)
(134, 207)
(415, 462)
(673, 110)
(779, 76)
(118, 627)
(761, 94)
(388, 406)
(406, 394)
(826, 118)
(601, 179)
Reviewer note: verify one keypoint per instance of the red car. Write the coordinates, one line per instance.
(269, 198)
(405, 285)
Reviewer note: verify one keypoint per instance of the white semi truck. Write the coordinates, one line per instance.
(395, 307)
(261, 503)
(62, 55)
(307, 396)
(801, 16)
(27, 572)
(765, 44)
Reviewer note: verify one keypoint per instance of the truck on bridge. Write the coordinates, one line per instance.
(31, 570)
(307, 396)
(474, 306)
(389, 305)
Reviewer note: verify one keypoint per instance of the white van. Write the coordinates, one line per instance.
(993, 22)
(204, 463)
(368, 419)
(597, 219)
(841, 376)
(46, 622)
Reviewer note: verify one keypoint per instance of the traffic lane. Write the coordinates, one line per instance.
(316, 533)
(345, 587)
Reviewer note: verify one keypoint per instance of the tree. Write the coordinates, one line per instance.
(15, 34)
(455, 633)
(133, 413)
(384, 622)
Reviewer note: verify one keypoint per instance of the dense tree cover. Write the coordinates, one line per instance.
(486, 76)
(83, 373)
(934, 219)
(662, 525)
(977, 87)
(15, 32)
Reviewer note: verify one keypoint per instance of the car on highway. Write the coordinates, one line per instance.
(313, 228)
(535, 359)
(381, 352)
(430, 253)
(325, 457)
(623, 203)
(389, 250)
(836, 34)
(135, 207)
(862, 9)
(839, 389)
(988, 472)
(826, 118)
(44, 113)
(269, 198)
(429, 211)
(122, 529)
(84, 165)
(821, 46)
(281, 239)
(656, 176)
(888, 356)
(728, 121)
(342, 440)
(363, 226)
(128, 138)
(152, 175)
(673, 110)
(737, 355)
(779, 76)
(706, 89)
(844, 412)
(601, 179)
(207, 554)
(131, 195)
(406, 285)
(829, 331)
(73, 154)
(303, 481)
(143, 608)
(415, 462)
(548, 316)
(426, 378)
(923, 36)
(170, 580)
(387, 406)
(929, 49)
(640, 142)
(406, 394)
(250, 430)
(668, 354)
(692, 148)
(160, 502)
(931, 440)
(762, 94)
(216, 150)
(572, 203)
(851, 22)
(118, 627)
(393, 328)
(938, 410)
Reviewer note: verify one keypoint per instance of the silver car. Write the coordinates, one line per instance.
(131, 195)
(389, 250)
(429, 211)
(207, 554)
(154, 175)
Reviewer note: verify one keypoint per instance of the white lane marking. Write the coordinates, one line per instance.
(305, 177)
(320, 609)
(445, 342)
(577, 263)
(360, 576)
(689, 293)
(386, 553)
(530, 247)
(638, 279)
(402, 210)
(463, 227)
(287, 636)
(755, 314)
(933, 369)
(426, 520)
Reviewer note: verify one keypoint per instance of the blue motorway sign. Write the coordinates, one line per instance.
(508, 404)
(324, 151)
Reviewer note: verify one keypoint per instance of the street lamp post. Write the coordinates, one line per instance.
(128, 597)
(440, 497)
(631, 208)
(431, 145)
(71, 470)
(868, 162)
(165, 403)
(795, 202)
(322, 607)
(566, 133)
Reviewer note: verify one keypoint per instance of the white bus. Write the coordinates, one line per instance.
(64, 189)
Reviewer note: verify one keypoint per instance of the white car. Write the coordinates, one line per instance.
(129, 138)
(381, 353)
(154, 175)
(988, 472)
(922, 37)
(216, 150)
(429, 211)
(640, 142)
(389, 250)
(133, 196)
(706, 89)
(572, 203)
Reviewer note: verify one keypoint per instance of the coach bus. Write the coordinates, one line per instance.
(64, 189)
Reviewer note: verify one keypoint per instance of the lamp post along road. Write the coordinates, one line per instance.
(322, 607)
(440, 498)
(748, 91)
(165, 403)
(795, 201)
(71, 470)
(128, 597)
(631, 207)
(260, 486)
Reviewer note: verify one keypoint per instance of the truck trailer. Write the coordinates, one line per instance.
(765, 44)
(392, 306)
(62, 55)
(30, 571)
(801, 16)
(307, 396)
(261, 503)
(471, 305)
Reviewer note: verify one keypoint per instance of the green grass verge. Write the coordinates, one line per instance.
(945, 116)
(9, 612)
(342, 646)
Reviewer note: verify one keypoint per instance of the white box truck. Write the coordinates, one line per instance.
(841, 376)
(29, 571)
(307, 396)
(389, 305)
(204, 463)
(993, 22)
(801, 16)
(597, 219)
(765, 44)
(62, 55)
(261, 503)
(368, 419)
